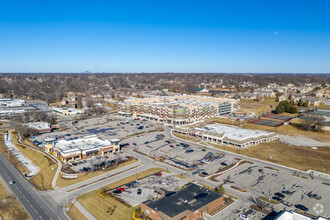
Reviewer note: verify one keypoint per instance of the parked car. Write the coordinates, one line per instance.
(129, 185)
(204, 173)
(116, 191)
(121, 189)
(244, 217)
(139, 191)
(158, 174)
(171, 146)
(134, 144)
(203, 150)
(167, 142)
(134, 183)
(277, 199)
(314, 196)
(147, 142)
(279, 195)
(189, 151)
(223, 164)
(301, 207)
(287, 192)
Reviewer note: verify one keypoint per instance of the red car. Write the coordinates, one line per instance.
(171, 146)
(158, 174)
(120, 189)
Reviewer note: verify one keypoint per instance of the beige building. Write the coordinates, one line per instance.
(179, 110)
(70, 150)
(67, 111)
(228, 135)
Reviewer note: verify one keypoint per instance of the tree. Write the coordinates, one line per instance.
(220, 190)
(312, 122)
(258, 202)
(285, 106)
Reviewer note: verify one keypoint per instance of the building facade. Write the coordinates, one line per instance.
(67, 111)
(178, 110)
(228, 135)
(70, 150)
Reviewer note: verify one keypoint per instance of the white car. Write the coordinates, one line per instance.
(12, 182)
(243, 217)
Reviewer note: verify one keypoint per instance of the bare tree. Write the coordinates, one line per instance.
(258, 202)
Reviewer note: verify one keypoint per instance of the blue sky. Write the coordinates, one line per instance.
(266, 36)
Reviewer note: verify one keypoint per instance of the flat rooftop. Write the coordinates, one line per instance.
(39, 125)
(232, 132)
(192, 198)
(89, 143)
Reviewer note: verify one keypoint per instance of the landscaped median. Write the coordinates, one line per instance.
(103, 206)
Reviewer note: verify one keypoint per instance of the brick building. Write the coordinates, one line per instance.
(191, 202)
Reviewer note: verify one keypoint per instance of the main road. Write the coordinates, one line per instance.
(36, 207)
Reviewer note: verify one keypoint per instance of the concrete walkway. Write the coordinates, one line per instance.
(83, 211)
(59, 167)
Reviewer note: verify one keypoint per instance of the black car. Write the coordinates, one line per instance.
(301, 207)
(279, 195)
(314, 196)
(204, 173)
(116, 191)
(277, 199)
(287, 192)
(134, 143)
(223, 164)
(139, 191)
(147, 142)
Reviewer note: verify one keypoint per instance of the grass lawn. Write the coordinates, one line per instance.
(266, 101)
(9, 156)
(10, 208)
(101, 207)
(74, 213)
(302, 158)
(47, 168)
(61, 182)
(291, 130)
(255, 107)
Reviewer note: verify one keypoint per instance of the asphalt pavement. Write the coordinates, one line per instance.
(26, 194)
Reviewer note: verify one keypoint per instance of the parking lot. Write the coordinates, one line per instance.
(147, 186)
(109, 127)
(186, 156)
(261, 181)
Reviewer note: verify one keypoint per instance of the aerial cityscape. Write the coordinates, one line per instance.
(154, 110)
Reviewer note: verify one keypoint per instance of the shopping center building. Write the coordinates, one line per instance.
(227, 135)
(77, 149)
(178, 110)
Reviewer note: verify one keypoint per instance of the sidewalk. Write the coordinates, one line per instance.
(83, 211)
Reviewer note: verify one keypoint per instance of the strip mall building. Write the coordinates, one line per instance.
(69, 150)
